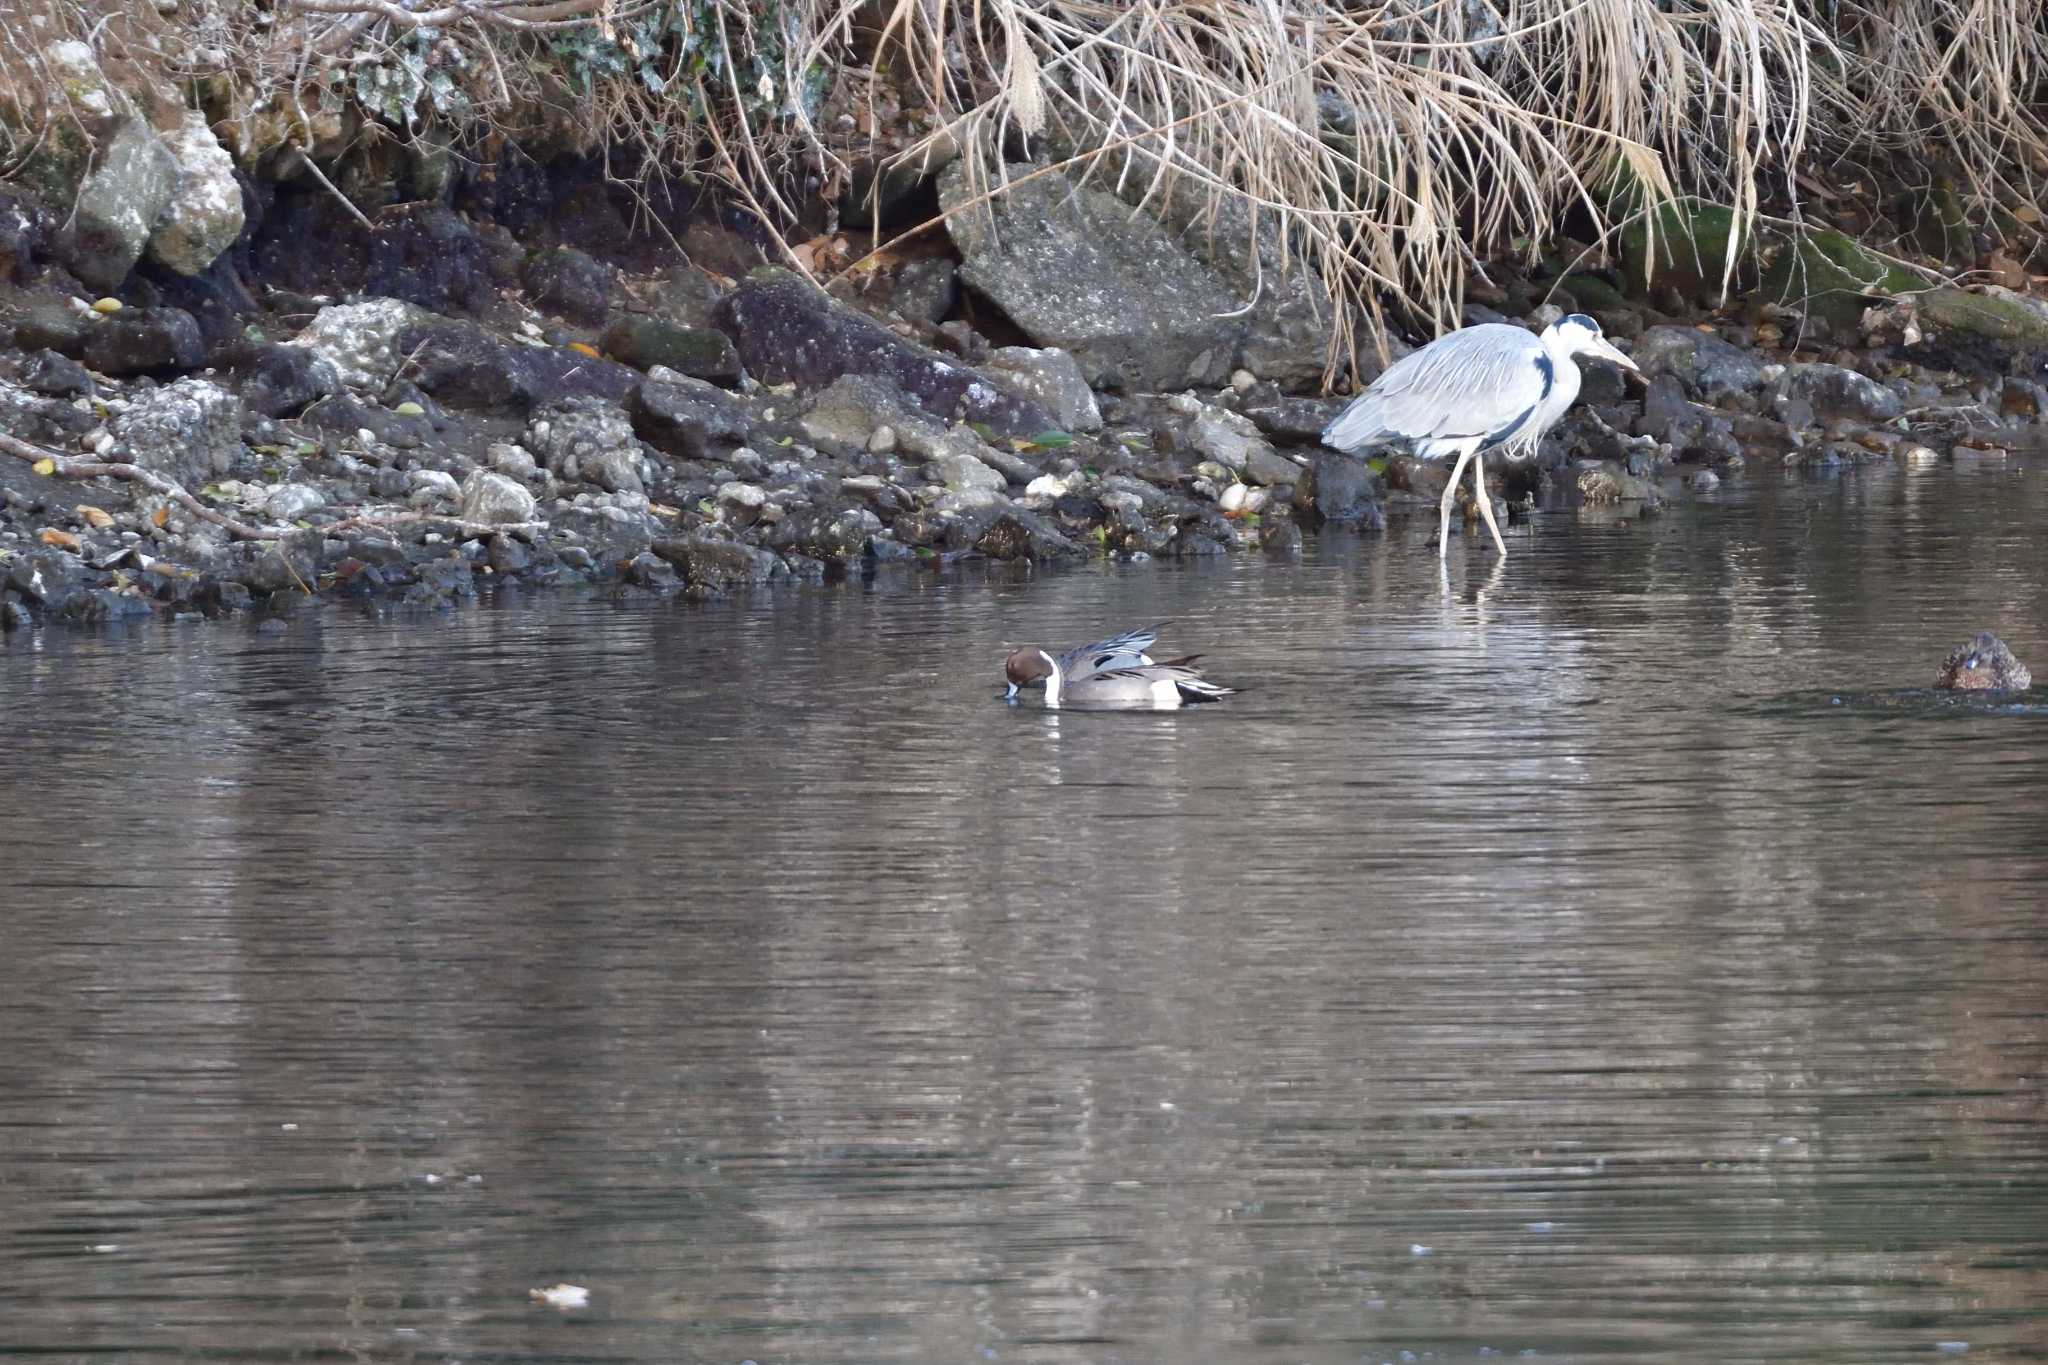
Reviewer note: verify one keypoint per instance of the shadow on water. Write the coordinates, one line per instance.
(1613, 956)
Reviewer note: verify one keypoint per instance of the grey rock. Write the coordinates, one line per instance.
(1287, 418)
(926, 289)
(696, 352)
(54, 325)
(58, 376)
(279, 381)
(1606, 482)
(465, 367)
(1340, 490)
(431, 487)
(591, 441)
(962, 472)
(682, 417)
(1267, 467)
(1018, 534)
(350, 416)
(567, 282)
(145, 341)
(1838, 393)
(1052, 379)
(1079, 269)
(514, 462)
(117, 205)
(789, 332)
(1225, 437)
(1711, 370)
(190, 431)
(360, 340)
(718, 564)
(204, 215)
(289, 564)
(292, 501)
(488, 496)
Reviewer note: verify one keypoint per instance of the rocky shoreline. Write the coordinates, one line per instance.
(239, 401)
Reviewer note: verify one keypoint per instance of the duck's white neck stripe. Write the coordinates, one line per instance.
(1052, 681)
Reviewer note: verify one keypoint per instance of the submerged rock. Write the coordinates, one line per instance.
(1983, 664)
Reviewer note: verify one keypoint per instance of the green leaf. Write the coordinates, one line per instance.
(983, 430)
(1052, 440)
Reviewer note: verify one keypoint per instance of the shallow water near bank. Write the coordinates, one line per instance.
(1616, 957)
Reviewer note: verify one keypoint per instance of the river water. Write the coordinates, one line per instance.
(1615, 958)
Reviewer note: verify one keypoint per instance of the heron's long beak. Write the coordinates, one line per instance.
(1606, 350)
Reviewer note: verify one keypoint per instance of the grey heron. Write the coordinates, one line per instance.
(1494, 386)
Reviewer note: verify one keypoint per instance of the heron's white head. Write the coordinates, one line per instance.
(1576, 334)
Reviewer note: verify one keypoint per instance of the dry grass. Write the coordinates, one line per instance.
(1392, 145)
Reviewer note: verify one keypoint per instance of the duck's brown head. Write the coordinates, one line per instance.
(1025, 667)
(1984, 664)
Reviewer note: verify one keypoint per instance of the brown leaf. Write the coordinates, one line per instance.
(62, 540)
(93, 516)
(161, 516)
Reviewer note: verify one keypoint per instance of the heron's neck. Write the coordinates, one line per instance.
(1052, 679)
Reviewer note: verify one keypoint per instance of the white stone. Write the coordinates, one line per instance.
(494, 498)
(204, 215)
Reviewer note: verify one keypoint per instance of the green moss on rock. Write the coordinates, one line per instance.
(1832, 277)
(1691, 247)
(2000, 315)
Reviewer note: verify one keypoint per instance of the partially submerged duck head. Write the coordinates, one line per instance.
(1984, 664)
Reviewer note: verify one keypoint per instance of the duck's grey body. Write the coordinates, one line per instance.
(1489, 387)
(1116, 672)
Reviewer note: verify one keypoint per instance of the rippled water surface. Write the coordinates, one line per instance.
(1616, 958)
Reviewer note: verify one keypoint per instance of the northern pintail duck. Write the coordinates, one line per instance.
(1983, 664)
(1113, 672)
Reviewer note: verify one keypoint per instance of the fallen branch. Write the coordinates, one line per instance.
(72, 467)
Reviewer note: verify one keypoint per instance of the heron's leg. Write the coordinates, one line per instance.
(1486, 503)
(1443, 530)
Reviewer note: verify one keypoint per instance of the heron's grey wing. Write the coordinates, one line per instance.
(1118, 651)
(1480, 381)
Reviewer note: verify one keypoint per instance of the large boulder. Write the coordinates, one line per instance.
(204, 215)
(118, 205)
(1710, 370)
(789, 332)
(565, 281)
(1050, 378)
(465, 367)
(1081, 270)
(190, 431)
(145, 341)
(1684, 244)
(1838, 393)
(683, 417)
(1999, 314)
(360, 340)
(698, 352)
(1828, 275)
